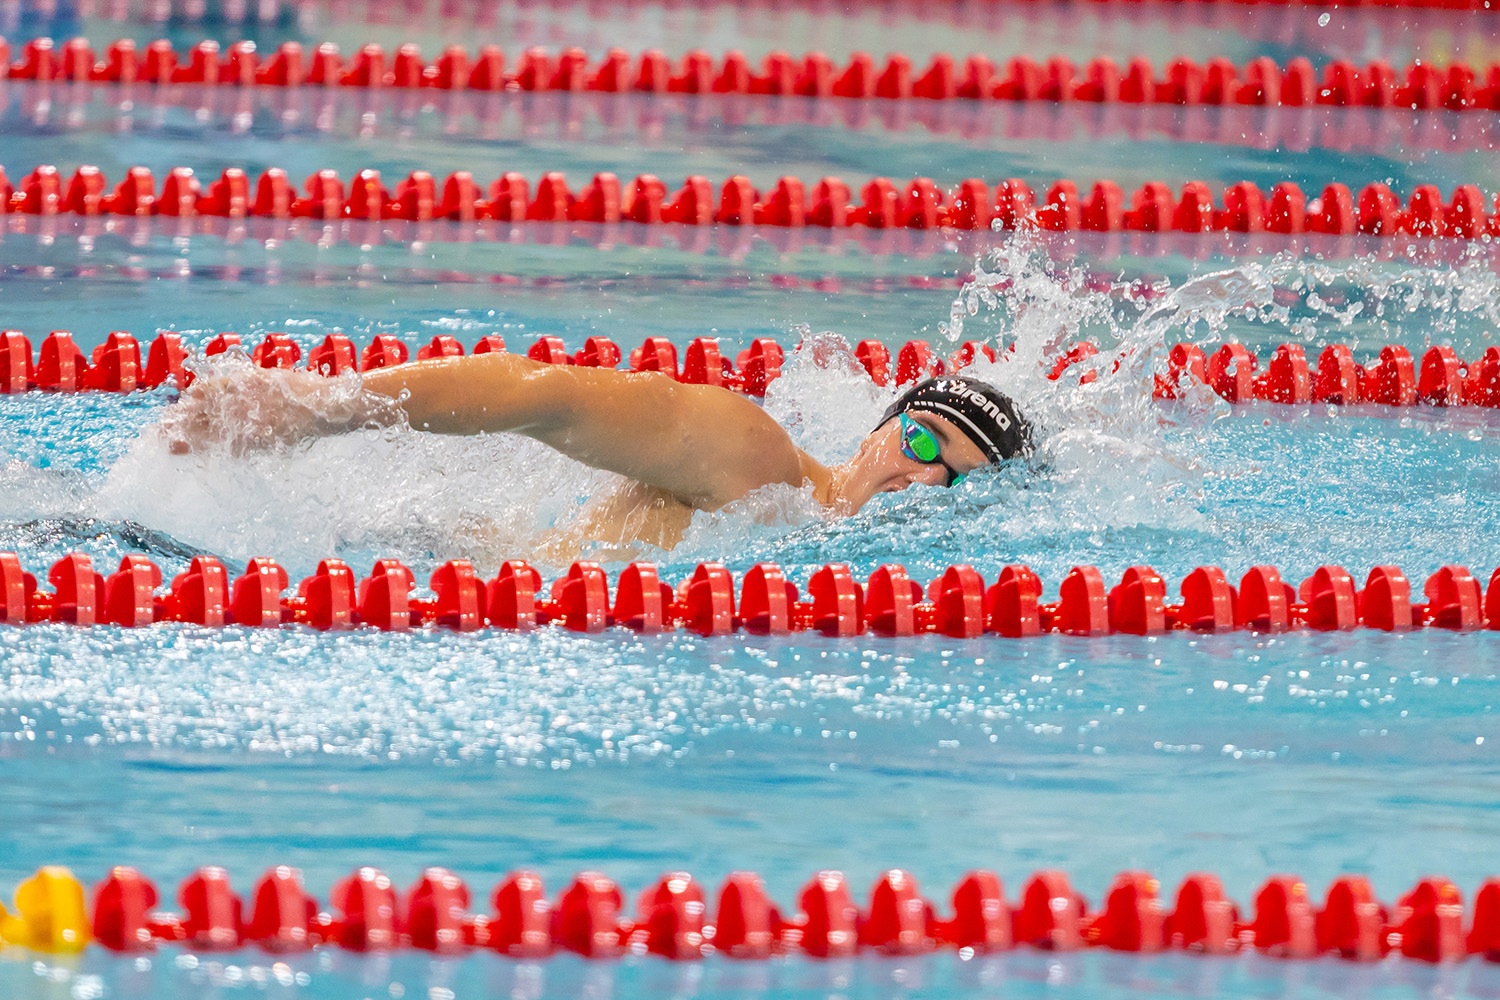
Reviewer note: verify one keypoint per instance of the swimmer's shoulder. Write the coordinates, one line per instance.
(750, 447)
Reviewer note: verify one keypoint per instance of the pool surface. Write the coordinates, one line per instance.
(1246, 755)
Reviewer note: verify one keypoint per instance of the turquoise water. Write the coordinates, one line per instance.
(175, 747)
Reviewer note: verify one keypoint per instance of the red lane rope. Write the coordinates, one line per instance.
(1393, 377)
(1262, 82)
(570, 116)
(830, 204)
(673, 919)
(957, 603)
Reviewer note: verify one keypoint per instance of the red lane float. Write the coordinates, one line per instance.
(1259, 83)
(61, 367)
(1391, 378)
(958, 603)
(1375, 210)
(677, 919)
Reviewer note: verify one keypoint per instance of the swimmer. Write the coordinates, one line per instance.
(684, 448)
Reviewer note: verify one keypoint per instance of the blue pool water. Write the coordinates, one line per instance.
(174, 747)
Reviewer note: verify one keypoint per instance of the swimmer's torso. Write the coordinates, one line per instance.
(620, 524)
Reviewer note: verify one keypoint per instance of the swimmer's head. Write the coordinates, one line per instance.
(977, 410)
(935, 433)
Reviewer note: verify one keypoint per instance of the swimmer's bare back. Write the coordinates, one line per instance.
(703, 445)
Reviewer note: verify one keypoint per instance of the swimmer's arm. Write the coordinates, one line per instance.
(703, 444)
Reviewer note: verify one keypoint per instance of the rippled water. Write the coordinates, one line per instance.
(173, 747)
(1017, 974)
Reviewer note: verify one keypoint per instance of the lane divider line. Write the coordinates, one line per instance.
(1182, 82)
(959, 603)
(882, 203)
(673, 920)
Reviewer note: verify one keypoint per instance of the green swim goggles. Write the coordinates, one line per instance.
(920, 445)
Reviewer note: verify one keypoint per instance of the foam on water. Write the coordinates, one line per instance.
(417, 496)
(426, 498)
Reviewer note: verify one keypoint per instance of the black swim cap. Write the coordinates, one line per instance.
(983, 413)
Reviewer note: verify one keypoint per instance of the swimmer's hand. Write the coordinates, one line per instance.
(240, 408)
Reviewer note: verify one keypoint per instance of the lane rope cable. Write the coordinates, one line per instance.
(973, 204)
(958, 604)
(367, 914)
(1263, 82)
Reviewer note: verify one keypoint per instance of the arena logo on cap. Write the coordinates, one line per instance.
(986, 404)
